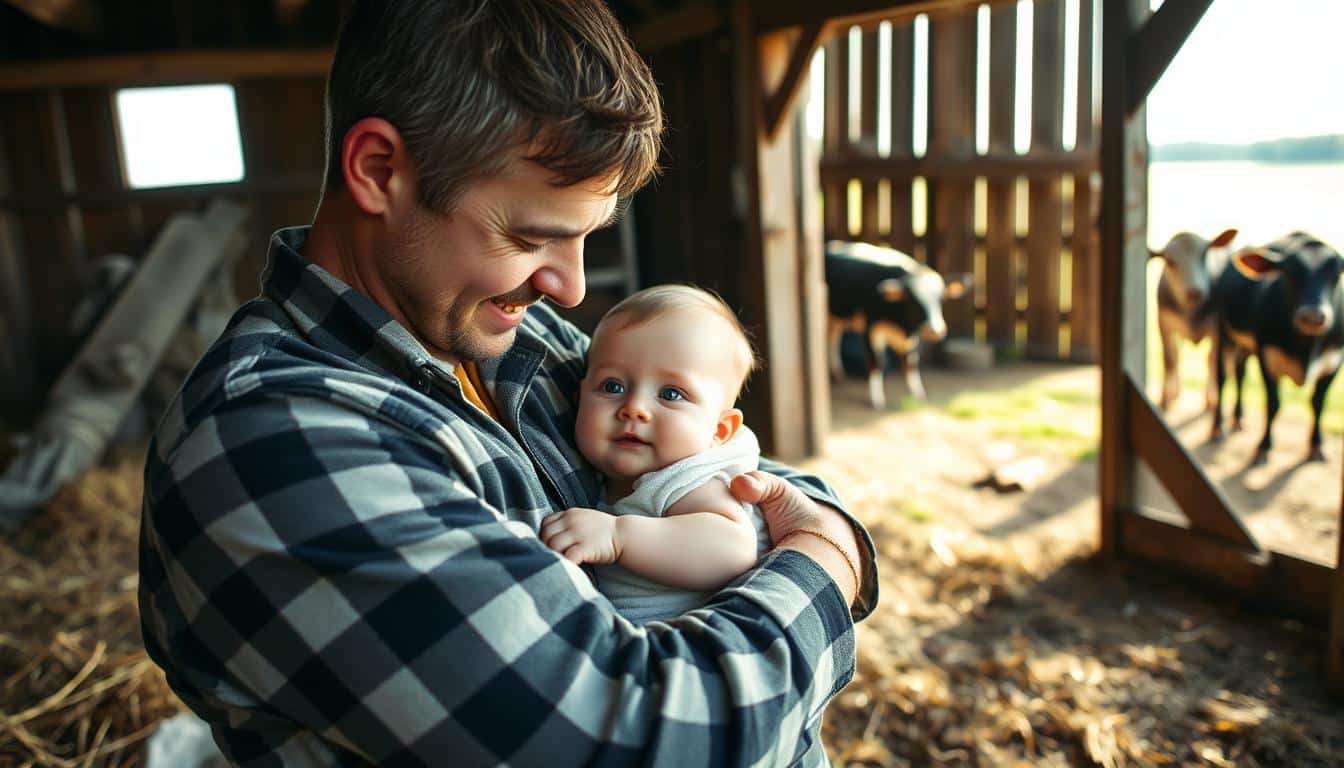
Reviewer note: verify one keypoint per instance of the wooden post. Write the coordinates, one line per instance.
(1124, 225)
(1334, 650)
(16, 361)
(1083, 329)
(1044, 237)
(952, 134)
(771, 265)
(811, 252)
(1000, 202)
(837, 131)
(902, 235)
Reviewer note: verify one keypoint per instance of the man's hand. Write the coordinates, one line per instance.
(788, 512)
(582, 535)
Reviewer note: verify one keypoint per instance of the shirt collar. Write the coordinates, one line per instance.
(333, 315)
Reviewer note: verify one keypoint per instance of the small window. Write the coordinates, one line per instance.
(179, 135)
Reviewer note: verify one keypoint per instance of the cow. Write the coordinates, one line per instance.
(1284, 304)
(1185, 309)
(894, 301)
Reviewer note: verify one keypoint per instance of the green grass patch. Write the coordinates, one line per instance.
(1030, 412)
(916, 511)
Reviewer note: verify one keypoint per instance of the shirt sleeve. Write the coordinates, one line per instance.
(326, 588)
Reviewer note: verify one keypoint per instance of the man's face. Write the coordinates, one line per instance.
(462, 281)
(656, 393)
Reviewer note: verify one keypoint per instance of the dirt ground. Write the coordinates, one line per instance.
(1000, 640)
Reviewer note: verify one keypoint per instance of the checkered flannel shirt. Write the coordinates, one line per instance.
(340, 565)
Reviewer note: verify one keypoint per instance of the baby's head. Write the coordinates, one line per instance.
(664, 370)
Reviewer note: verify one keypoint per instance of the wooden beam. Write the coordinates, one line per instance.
(1083, 330)
(779, 105)
(688, 22)
(1282, 583)
(1124, 231)
(777, 14)
(83, 17)
(1153, 47)
(1052, 164)
(164, 68)
(1044, 204)
(1202, 502)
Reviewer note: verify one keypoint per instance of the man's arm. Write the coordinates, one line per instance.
(704, 541)
(341, 585)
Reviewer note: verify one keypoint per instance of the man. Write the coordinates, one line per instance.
(339, 560)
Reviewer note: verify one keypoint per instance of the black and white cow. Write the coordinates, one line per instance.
(894, 301)
(1185, 310)
(1284, 304)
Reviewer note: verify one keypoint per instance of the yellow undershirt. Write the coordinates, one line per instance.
(475, 392)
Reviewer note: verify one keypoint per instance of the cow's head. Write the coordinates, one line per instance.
(1310, 271)
(1187, 262)
(916, 300)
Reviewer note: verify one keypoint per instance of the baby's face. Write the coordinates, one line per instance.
(657, 392)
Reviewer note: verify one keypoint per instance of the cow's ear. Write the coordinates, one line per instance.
(891, 289)
(958, 285)
(1224, 238)
(1256, 263)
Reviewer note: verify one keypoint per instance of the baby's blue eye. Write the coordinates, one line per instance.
(612, 387)
(670, 393)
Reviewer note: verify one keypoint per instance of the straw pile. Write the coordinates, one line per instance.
(985, 656)
(981, 654)
(76, 688)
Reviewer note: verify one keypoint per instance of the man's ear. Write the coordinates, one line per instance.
(377, 169)
(729, 422)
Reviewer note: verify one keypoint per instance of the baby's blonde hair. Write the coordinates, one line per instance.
(657, 301)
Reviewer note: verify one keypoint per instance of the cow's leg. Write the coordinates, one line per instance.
(913, 381)
(1271, 406)
(1210, 397)
(876, 349)
(1221, 345)
(1171, 383)
(835, 333)
(1314, 452)
(1239, 358)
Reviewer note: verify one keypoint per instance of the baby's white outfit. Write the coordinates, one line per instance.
(641, 600)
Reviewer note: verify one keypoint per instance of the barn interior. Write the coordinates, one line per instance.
(1068, 650)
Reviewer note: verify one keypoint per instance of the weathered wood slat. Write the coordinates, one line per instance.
(1334, 650)
(1202, 502)
(836, 135)
(1152, 47)
(952, 134)
(1084, 331)
(902, 83)
(1291, 585)
(1044, 205)
(1000, 199)
(867, 140)
(789, 13)
(1124, 231)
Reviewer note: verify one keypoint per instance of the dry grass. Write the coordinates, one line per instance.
(76, 688)
(983, 653)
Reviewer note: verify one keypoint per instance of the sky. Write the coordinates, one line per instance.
(1254, 70)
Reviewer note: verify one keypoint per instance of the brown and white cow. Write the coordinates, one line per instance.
(894, 301)
(1185, 308)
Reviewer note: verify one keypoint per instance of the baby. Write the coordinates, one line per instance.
(656, 417)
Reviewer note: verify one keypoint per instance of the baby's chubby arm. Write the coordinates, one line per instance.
(705, 540)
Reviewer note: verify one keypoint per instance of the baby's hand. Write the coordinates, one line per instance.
(582, 535)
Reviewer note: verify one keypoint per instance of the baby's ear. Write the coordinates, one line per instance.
(729, 422)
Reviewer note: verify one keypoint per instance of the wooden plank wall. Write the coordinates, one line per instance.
(1037, 292)
(64, 204)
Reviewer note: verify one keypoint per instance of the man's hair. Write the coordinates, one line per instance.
(466, 82)
(661, 300)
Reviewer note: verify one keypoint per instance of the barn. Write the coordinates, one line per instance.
(1055, 237)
